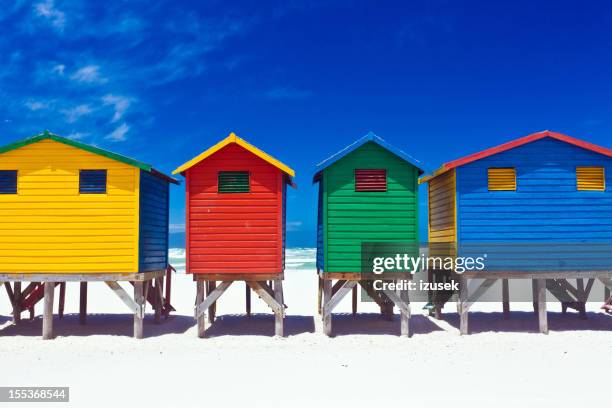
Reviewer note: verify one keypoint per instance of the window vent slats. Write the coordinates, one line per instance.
(8, 181)
(233, 182)
(502, 179)
(590, 178)
(92, 181)
(370, 180)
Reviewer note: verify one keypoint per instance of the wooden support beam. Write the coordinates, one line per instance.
(478, 292)
(355, 300)
(404, 308)
(62, 299)
(134, 304)
(83, 303)
(264, 294)
(201, 319)
(212, 309)
(534, 292)
(47, 327)
(326, 315)
(16, 302)
(157, 299)
(341, 292)
(541, 301)
(506, 298)
(140, 302)
(463, 309)
(279, 315)
(248, 299)
(320, 294)
(211, 298)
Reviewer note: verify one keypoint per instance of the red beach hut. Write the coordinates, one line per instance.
(235, 224)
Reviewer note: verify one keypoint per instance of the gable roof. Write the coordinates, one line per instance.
(370, 137)
(232, 138)
(516, 143)
(46, 135)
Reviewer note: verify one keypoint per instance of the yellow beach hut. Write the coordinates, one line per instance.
(74, 212)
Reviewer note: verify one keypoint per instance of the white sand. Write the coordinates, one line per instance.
(243, 363)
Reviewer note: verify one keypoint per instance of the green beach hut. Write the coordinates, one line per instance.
(368, 195)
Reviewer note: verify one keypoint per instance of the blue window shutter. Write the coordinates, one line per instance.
(92, 181)
(8, 181)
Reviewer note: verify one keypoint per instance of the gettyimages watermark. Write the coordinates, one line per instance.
(430, 272)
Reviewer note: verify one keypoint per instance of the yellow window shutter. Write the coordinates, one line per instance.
(590, 178)
(502, 179)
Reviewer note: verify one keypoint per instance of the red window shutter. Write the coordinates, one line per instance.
(370, 180)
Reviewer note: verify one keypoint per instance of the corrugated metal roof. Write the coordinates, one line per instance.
(370, 137)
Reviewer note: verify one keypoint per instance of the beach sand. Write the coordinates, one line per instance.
(503, 363)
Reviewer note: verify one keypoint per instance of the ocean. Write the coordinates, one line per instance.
(295, 258)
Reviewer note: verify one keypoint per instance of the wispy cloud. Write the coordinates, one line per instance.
(58, 69)
(286, 93)
(89, 74)
(36, 105)
(294, 225)
(48, 11)
(174, 228)
(77, 135)
(119, 103)
(119, 134)
(75, 113)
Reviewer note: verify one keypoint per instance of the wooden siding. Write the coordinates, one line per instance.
(442, 218)
(546, 206)
(238, 232)
(49, 227)
(153, 242)
(351, 218)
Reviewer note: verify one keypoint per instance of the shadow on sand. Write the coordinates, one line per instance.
(258, 325)
(481, 322)
(99, 324)
(344, 324)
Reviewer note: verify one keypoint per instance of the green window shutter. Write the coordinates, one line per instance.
(234, 182)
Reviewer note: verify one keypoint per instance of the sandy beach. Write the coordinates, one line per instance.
(503, 362)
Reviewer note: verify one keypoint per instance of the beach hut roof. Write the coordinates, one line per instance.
(232, 138)
(370, 137)
(516, 143)
(46, 135)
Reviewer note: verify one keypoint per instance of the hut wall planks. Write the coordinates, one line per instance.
(49, 227)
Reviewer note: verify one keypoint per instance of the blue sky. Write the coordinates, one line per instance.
(162, 81)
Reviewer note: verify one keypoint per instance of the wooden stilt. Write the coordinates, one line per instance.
(199, 299)
(62, 299)
(355, 301)
(16, 302)
(83, 303)
(534, 291)
(139, 299)
(541, 300)
(47, 329)
(582, 299)
(157, 300)
(212, 310)
(279, 315)
(463, 306)
(326, 315)
(32, 313)
(248, 299)
(320, 295)
(506, 298)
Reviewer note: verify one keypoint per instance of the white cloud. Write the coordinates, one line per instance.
(74, 114)
(36, 105)
(119, 103)
(58, 69)
(48, 11)
(77, 135)
(88, 74)
(118, 135)
(174, 228)
(294, 225)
